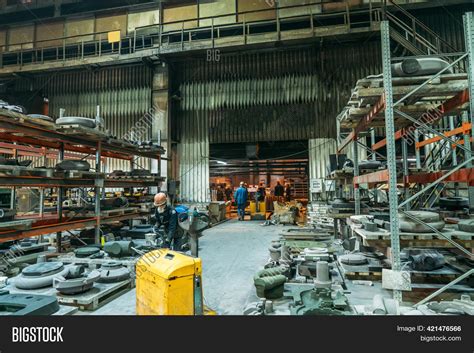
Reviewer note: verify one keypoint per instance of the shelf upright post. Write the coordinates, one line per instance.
(372, 143)
(469, 37)
(59, 235)
(391, 152)
(417, 150)
(355, 152)
(406, 186)
(98, 183)
(13, 191)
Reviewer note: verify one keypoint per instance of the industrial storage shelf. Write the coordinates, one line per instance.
(45, 182)
(19, 128)
(21, 135)
(43, 227)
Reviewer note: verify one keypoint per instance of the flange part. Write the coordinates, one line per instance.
(40, 275)
(65, 285)
(454, 203)
(113, 272)
(86, 251)
(43, 269)
(73, 120)
(424, 216)
(41, 117)
(413, 227)
(322, 275)
(353, 259)
(74, 164)
(466, 225)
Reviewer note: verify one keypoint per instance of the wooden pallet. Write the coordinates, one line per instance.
(25, 119)
(97, 296)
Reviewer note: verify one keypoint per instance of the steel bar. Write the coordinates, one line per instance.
(60, 203)
(371, 151)
(391, 152)
(406, 185)
(355, 152)
(417, 150)
(441, 290)
(97, 193)
(454, 155)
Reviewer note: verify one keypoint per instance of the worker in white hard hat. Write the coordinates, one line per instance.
(167, 223)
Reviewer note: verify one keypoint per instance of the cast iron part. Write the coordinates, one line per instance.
(140, 172)
(40, 275)
(73, 120)
(113, 203)
(317, 301)
(119, 248)
(420, 67)
(353, 259)
(269, 282)
(112, 272)
(370, 164)
(466, 225)
(454, 203)
(74, 164)
(86, 251)
(194, 224)
(7, 214)
(28, 304)
(15, 162)
(73, 283)
(41, 117)
(426, 260)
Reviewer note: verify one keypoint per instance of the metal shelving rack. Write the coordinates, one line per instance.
(20, 132)
(461, 172)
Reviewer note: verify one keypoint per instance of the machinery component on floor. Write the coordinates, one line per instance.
(420, 67)
(119, 248)
(463, 306)
(348, 164)
(27, 304)
(40, 275)
(169, 283)
(41, 117)
(7, 215)
(425, 259)
(323, 279)
(194, 224)
(316, 301)
(466, 225)
(112, 272)
(340, 203)
(269, 283)
(370, 226)
(378, 306)
(87, 251)
(139, 231)
(74, 164)
(75, 281)
(410, 226)
(73, 120)
(353, 259)
(454, 203)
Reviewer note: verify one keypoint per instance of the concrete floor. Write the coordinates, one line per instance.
(232, 253)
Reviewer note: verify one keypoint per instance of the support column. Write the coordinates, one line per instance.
(161, 122)
(355, 152)
(98, 185)
(406, 186)
(59, 235)
(469, 37)
(391, 153)
(417, 150)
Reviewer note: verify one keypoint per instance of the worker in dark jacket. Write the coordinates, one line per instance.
(167, 223)
(288, 192)
(279, 189)
(240, 197)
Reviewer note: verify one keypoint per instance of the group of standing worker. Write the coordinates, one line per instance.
(241, 196)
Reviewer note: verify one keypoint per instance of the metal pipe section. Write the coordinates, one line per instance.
(97, 192)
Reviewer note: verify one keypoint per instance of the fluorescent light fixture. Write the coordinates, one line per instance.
(221, 162)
